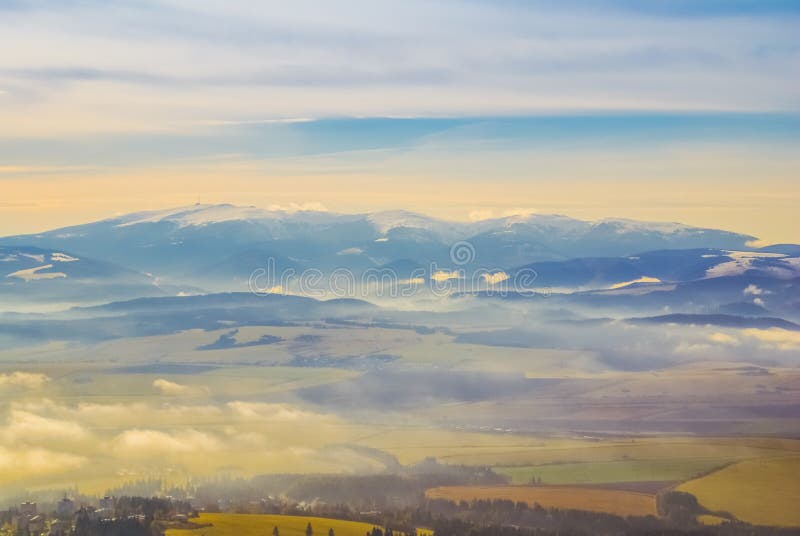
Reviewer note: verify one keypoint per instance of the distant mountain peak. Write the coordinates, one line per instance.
(386, 220)
(198, 214)
(208, 243)
(623, 225)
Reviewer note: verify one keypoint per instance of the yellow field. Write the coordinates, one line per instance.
(623, 503)
(262, 525)
(464, 448)
(707, 519)
(763, 491)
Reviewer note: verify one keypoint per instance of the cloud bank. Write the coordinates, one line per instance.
(239, 62)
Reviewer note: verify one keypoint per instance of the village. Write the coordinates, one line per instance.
(68, 517)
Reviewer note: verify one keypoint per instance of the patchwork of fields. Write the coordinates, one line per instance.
(168, 408)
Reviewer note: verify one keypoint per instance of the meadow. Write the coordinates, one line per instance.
(604, 472)
(761, 491)
(678, 454)
(262, 525)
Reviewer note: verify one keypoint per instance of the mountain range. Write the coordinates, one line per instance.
(186, 241)
(216, 248)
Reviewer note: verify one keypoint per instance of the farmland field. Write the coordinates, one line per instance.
(622, 503)
(763, 491)
(260, 525)
(497, 449)
(667, 469)
(170, 408)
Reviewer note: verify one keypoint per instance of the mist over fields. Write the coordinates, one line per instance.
(149, 348)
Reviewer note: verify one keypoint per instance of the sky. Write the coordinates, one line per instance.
(662, 110)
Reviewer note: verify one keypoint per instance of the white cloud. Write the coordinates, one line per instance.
(25, 463)
(495, 278)
(479, 215)
(144, 443)
(300, 207)
(24, 427)
(445, 275)
(273, 412)
(42, 440)
(780, 339)
(752, 290)
(284, 61)
(167, 387)
(28, 380)
(520, 212)
(723, 338)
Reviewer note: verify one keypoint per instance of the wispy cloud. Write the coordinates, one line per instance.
(166, 387)
(27, 380)
(167, 64)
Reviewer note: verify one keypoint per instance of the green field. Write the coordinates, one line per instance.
(661, 470)
(262, 525)
(762, 491)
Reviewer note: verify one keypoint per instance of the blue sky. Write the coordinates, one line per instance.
(101, 96)
(178, 65)
(353, 135)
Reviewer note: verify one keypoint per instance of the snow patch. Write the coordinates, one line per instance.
(36, 257)
(623, 226)
(643, 279)
(350, 251)
(199, 215)
(62, 257)
(742, 261)
(387, 220)
(564, 223)
(753, 255)
(32, 274)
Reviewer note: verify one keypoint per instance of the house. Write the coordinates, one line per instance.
(27, 508)
(65, 508)
(30, 524)
(107, 503)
